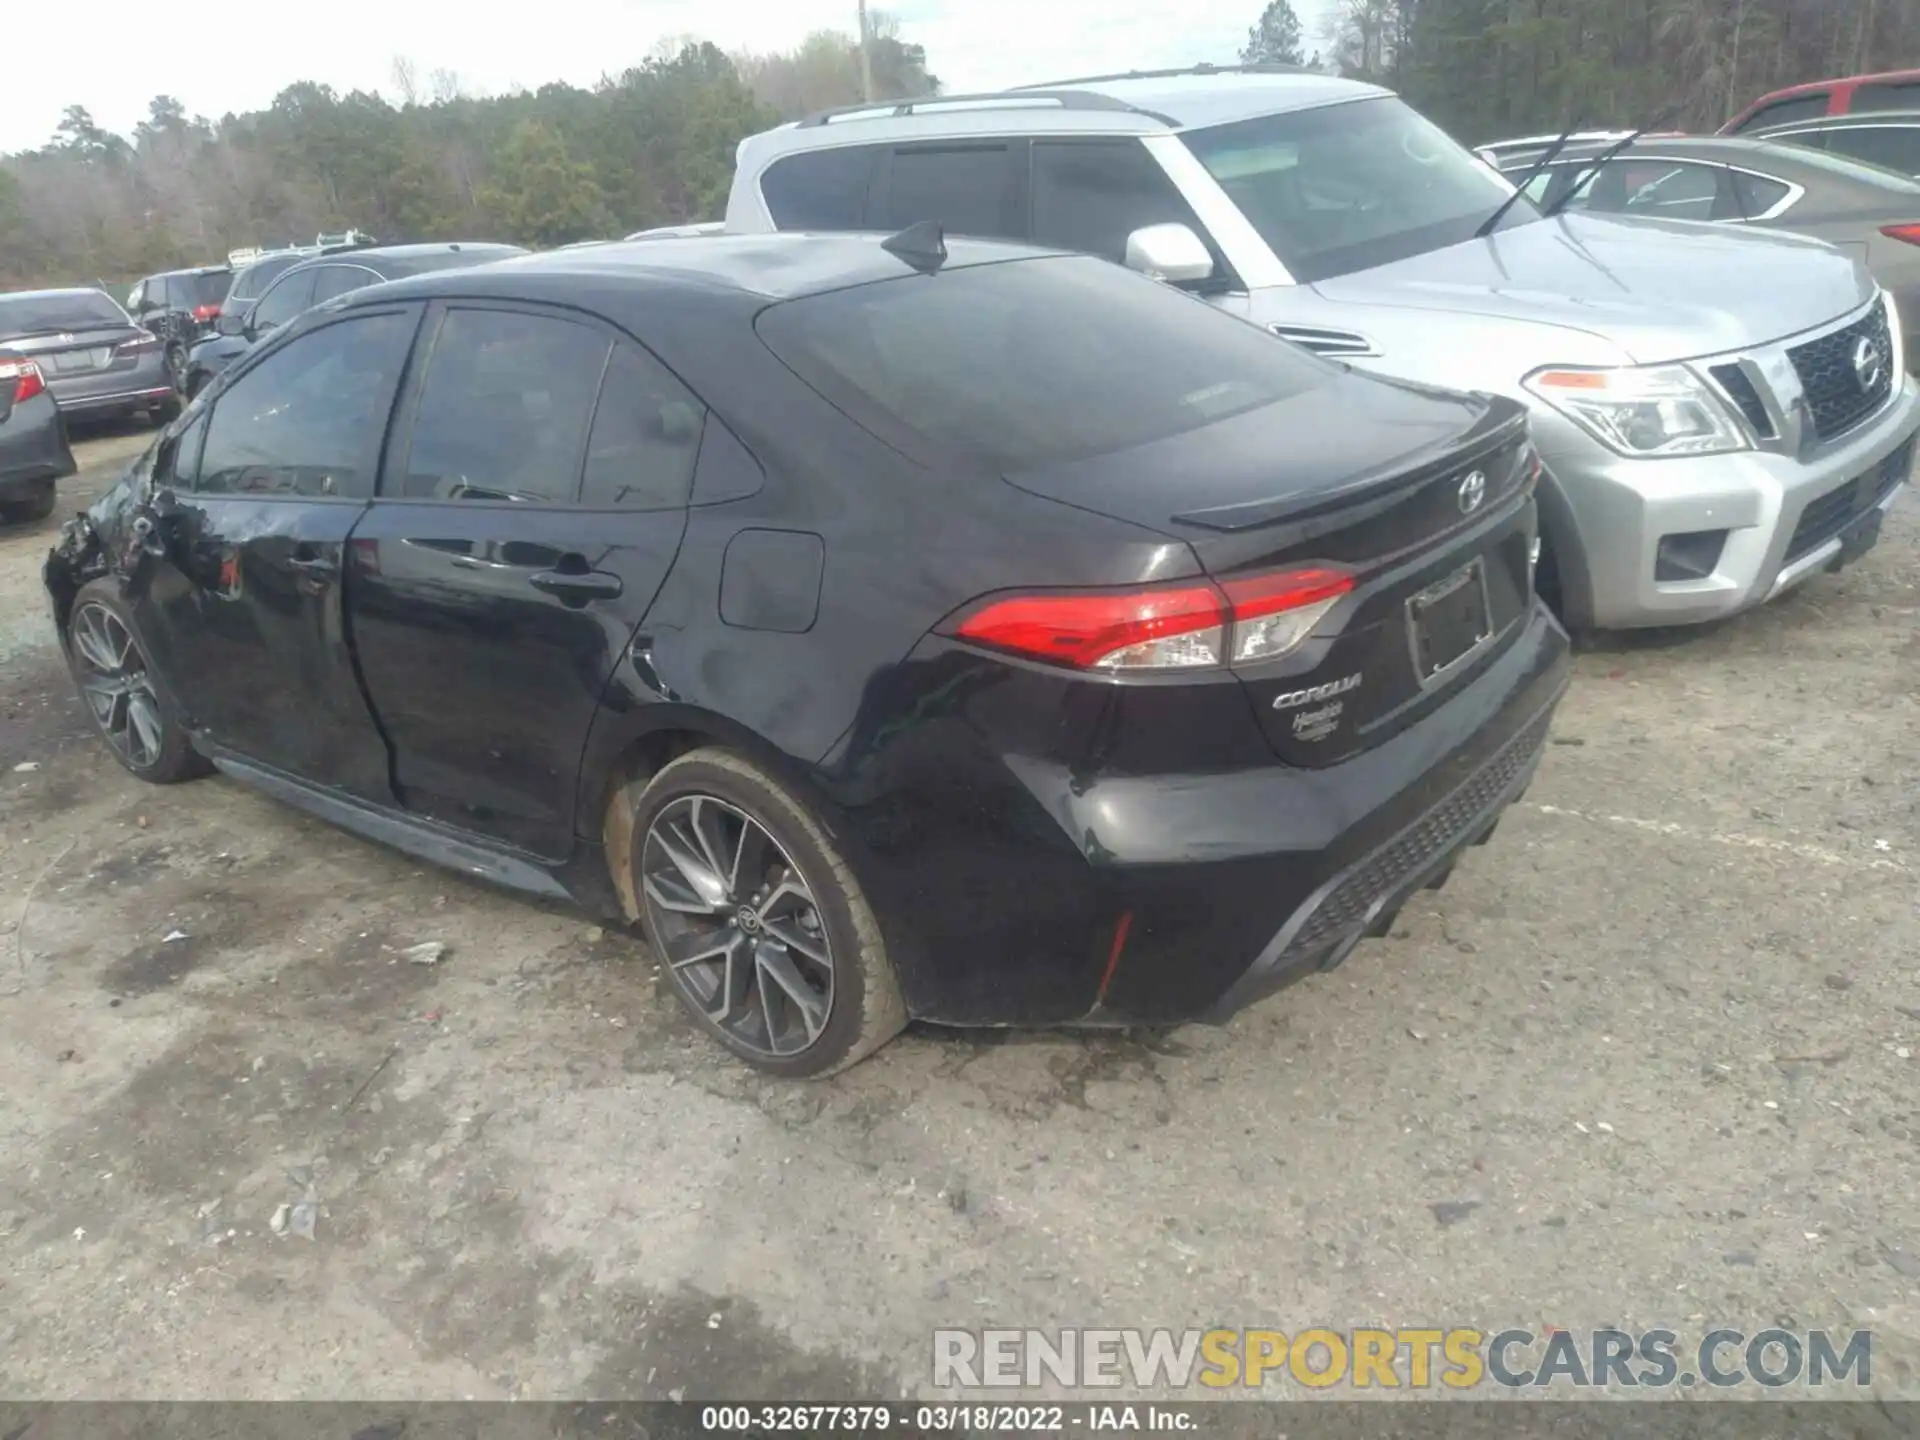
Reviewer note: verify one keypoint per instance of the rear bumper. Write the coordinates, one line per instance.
(33, 449)
(115, 400)
(1145, 899)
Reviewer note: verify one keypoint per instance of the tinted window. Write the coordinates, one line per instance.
(332, 280)
(1662, 189)
(503, 413)
(967, 188)
(1786, 112)
(1340, 188)
(308, 419)
(284, 299)
(1756, 194)
(1893, 147)
(1904, 95)
(820, 190)
(256, 277)
(646, 436)
(194, 290)
(1092, 196)
(50, 314)
(1018, 365)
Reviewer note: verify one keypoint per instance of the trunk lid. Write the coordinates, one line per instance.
(78, 352)
(1367, 476)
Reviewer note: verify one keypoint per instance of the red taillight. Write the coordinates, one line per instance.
(1909, 233)
(206, 312)
(1182, 627)
(26, 378)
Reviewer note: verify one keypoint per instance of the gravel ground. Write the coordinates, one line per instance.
(1648, 1059)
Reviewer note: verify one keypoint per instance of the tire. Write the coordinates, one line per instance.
(810, 924)
(24, 511)
(110, 665)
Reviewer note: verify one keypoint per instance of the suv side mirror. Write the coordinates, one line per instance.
(229, 323)
(1172, 253)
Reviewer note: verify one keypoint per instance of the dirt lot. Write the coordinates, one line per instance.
(1650, 1055)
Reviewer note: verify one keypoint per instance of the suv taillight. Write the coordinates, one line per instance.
(25, 376)
(1182, 627)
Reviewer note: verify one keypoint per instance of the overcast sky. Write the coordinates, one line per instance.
(237, 59)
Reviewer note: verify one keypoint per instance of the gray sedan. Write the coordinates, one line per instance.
(1861, 208)
(33, 442)
(96, 362)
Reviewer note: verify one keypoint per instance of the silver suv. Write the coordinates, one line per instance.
(1723, 413)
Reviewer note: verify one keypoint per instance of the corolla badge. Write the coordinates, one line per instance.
(1287, 700)
(1869, 365)
(1473, 490)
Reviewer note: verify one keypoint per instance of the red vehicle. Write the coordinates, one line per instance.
(1894, 90)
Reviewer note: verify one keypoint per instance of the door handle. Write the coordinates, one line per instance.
(579, 588)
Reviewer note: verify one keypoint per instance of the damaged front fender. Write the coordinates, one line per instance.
(113, 537)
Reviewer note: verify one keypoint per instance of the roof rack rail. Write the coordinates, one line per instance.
(1263, 67)
(1065, 99)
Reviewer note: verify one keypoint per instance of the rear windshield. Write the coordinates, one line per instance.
(22, 315)
(207, 289)
(1033, 362)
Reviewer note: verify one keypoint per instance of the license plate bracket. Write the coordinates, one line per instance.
(1860, 536)
(1449, 620)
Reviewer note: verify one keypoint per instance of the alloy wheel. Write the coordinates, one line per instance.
(737, 925)
(116, 686)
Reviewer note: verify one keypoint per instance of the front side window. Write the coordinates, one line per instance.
(1892, 147)
(1785, 112)
(503, 412)
(1346, 187)
(289, 296)
(1091, 195)
(308, 419)
(1031, 362)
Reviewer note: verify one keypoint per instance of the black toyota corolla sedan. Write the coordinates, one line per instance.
(885, 630)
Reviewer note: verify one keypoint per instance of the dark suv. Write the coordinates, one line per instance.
(310, 279)
(178, 307)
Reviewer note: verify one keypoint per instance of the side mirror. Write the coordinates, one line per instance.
(229, 324)
(1172, 253)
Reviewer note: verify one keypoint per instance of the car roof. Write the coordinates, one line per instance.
(373, 256)
(758, 268)
(1139, 102)
(55, 293)
(1812, 87)
(1852, 120)
(192, 270)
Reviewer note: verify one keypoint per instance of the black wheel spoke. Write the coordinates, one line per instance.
(737, 925)
(114, 683)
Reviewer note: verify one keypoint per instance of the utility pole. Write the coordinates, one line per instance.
(866, 56)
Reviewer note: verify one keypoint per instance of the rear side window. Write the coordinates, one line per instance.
(1090, 196)
(969, 189)
(308, 419)
(1892, 95)
(1029, 363)
(1756, 194)
(1892, 147)
(1786, 112)
(819, 190)
(646, 436)
(504, 409)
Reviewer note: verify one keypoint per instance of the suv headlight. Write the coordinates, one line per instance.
(1645, 411)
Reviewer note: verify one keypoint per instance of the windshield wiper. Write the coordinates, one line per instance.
(1547, 157)
(1593, 166)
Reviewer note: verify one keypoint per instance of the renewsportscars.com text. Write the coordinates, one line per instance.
(1418, 1359)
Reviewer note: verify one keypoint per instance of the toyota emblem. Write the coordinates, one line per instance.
(1869, 365)
(1473, 490)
